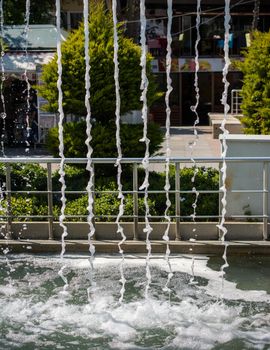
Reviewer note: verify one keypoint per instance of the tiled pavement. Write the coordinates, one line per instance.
(181, 138)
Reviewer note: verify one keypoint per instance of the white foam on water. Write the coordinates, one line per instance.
(8, 290)
(179, 264)
(193, 320)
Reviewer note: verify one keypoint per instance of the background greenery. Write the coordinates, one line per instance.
(34, 177)
(102, 71)
(14, 11)
(104, 140)
(256, 85)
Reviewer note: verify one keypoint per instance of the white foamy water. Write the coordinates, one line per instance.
(35, 313)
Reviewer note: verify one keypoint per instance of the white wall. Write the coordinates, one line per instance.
(246, 176)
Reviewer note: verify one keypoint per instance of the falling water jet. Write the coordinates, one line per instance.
(61, 141)
(3, 78)
(28, 86)
(121, 196)
(4, 228)
(144, 87)
(167, 136)
(89, 166)
(196, 122)
(223, 170)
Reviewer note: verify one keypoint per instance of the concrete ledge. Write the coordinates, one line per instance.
(233, 124)
(111, 247)
(108, 231)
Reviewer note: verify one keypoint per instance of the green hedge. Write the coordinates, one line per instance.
(33, 177)
(25, 176)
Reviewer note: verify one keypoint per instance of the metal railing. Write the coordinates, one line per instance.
(236, 100)
(178, 163)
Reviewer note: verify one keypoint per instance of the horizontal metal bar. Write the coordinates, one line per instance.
(142, 216)
(139, 192)
(32, 160)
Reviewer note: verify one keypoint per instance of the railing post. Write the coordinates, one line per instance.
(135, 202)
(50, 200)
(219, 199)
(94, 197)
(232, 98)
(265, 200)
(177, 202)
(9, 209)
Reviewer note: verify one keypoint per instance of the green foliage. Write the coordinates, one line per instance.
(14, 11)
(33, 177)
(106, 206)
(256, 85)
(104, 140)
(25, 176)
(205, 179)
(21, 207)
(76, 178)
(102, 71)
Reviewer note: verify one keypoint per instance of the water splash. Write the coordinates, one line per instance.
(61, 140)
(167, 137)
(28, 85)
(89, 166)
(223, 169)
(121, 196)
(144, 87)
(3, 78)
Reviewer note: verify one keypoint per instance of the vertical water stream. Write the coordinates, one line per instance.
(121, 196)
(224, 100)
(3, 208)
(89, 165)
(3, 78)
(61, 139)
(144, 88)
(196, 122)
(167, 138)
(28, 86)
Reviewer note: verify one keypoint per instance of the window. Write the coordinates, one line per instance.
(71, 20)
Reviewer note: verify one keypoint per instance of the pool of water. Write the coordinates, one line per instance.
(204, 313)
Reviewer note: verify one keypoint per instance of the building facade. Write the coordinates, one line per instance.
(21, 66)
(243, 21)
(184, 35)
